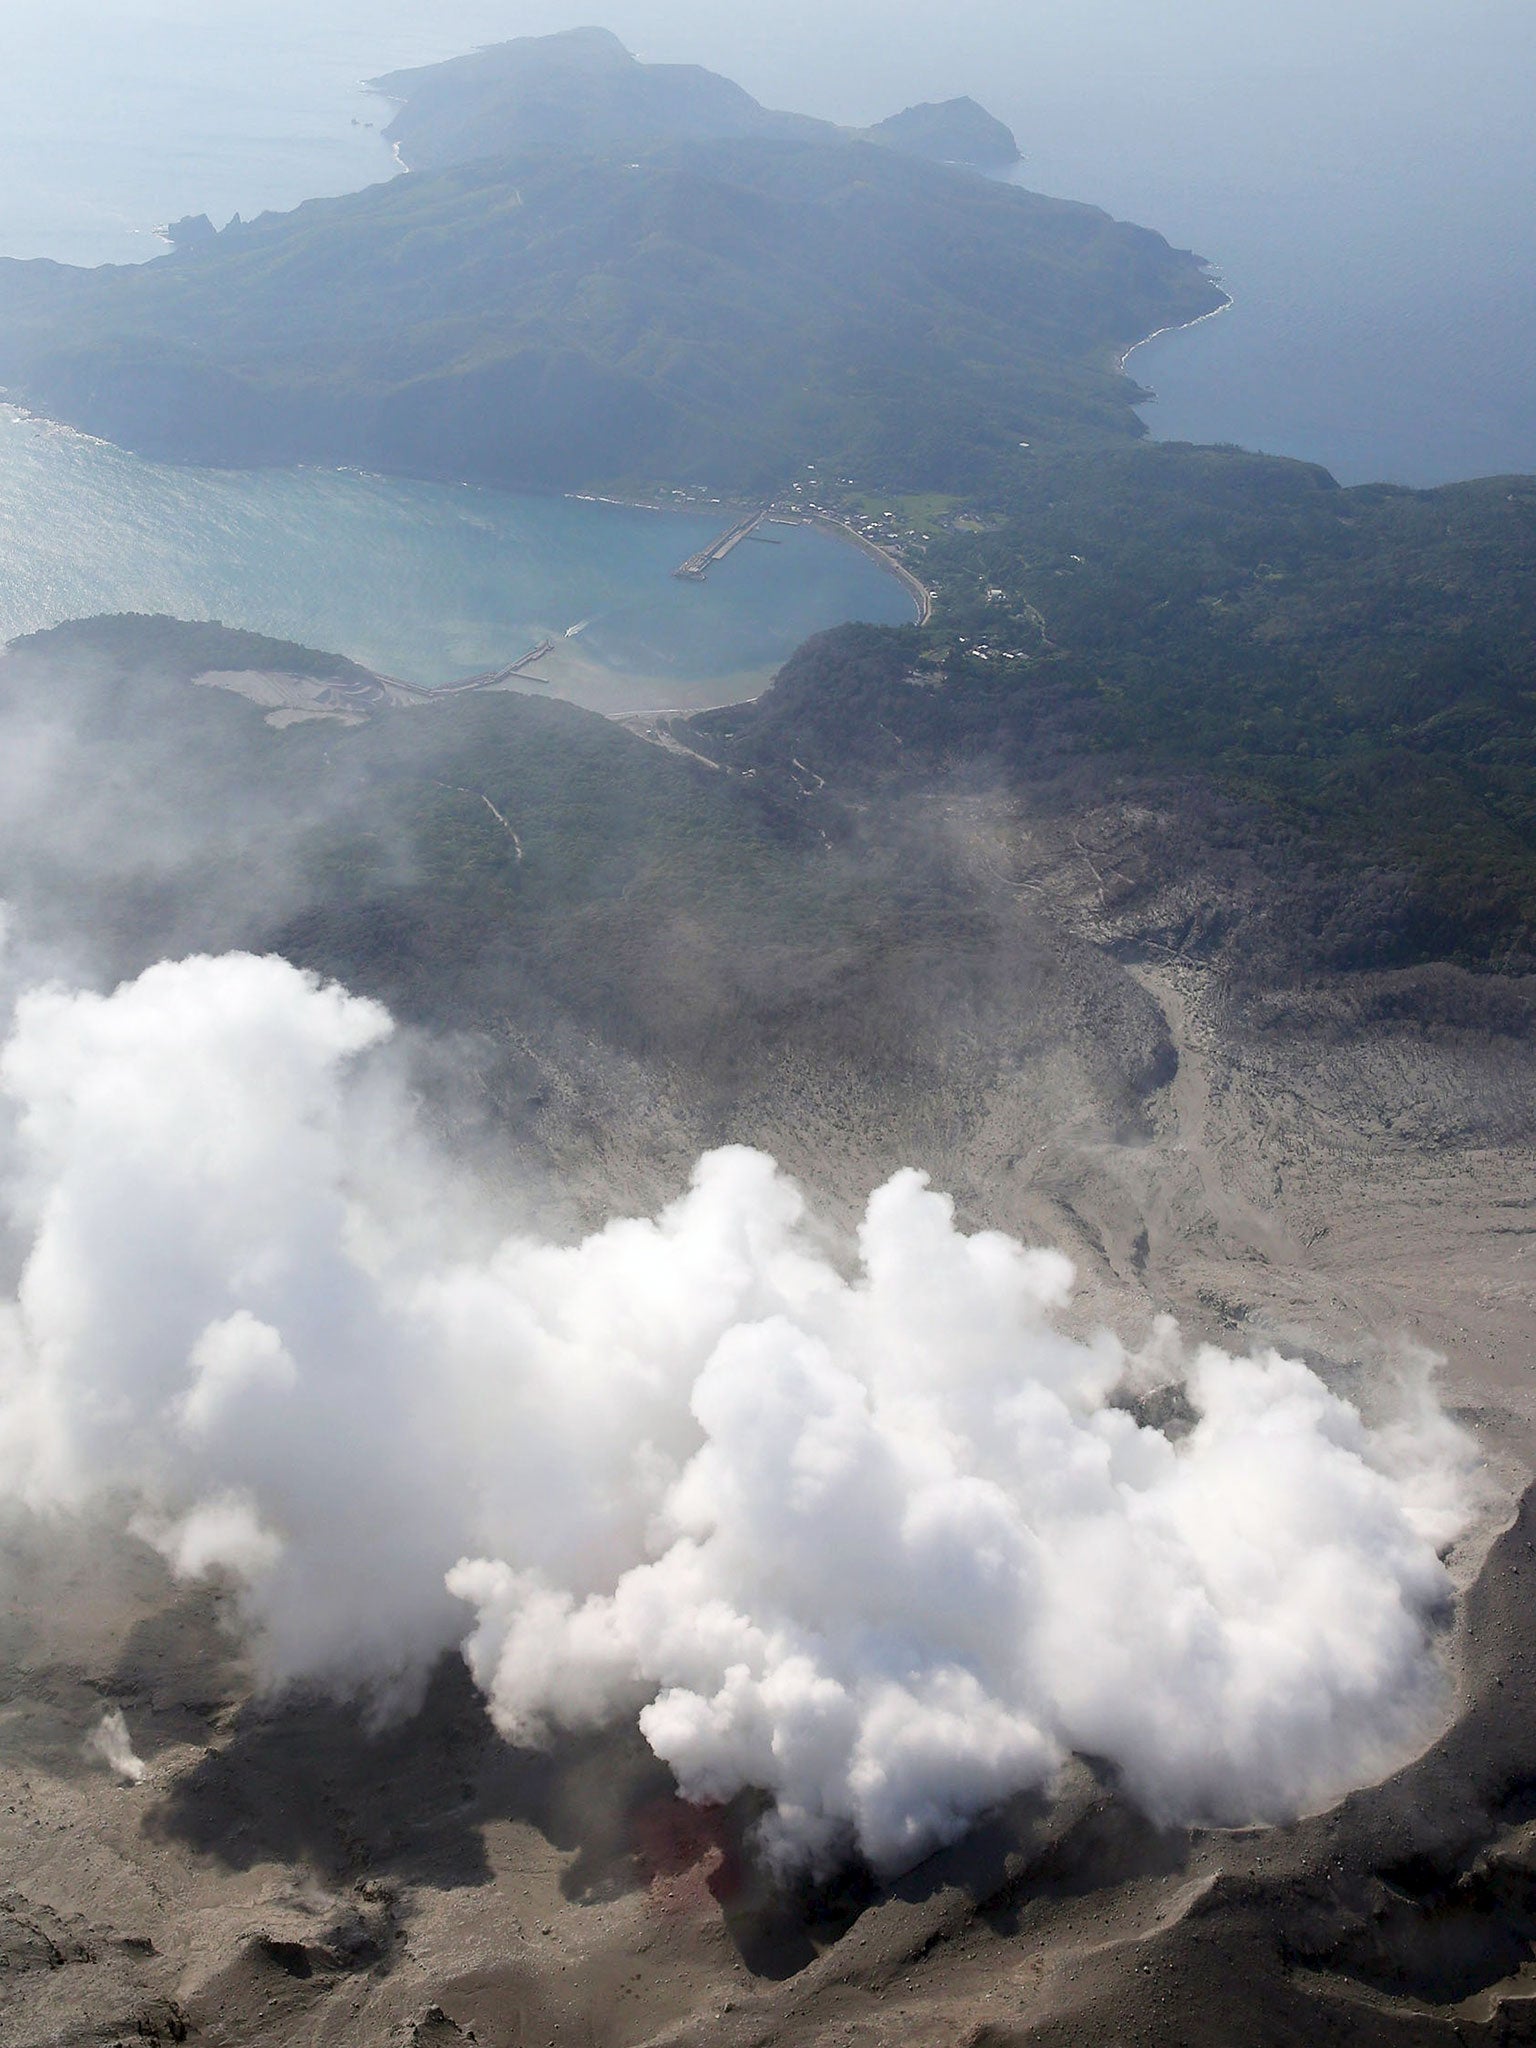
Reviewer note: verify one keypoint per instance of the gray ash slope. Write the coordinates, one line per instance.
(286, 1877)
(1320, 1160)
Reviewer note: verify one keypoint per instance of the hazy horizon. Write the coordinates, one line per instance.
(1360, 177)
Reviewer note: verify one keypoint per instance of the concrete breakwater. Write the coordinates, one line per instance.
(698, 566)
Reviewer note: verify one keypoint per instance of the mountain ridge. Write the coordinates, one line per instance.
(722, 312)
(610, 275)
(581, 89)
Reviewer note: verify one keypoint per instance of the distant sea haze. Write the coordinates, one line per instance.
(1360, 176)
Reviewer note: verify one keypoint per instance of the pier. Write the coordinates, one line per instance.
(698, 566)
(515, 668)
(491, 677)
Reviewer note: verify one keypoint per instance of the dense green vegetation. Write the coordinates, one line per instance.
(1362, 660)
(577, 91)
(184, 648)
(629, 275)
(719, 311)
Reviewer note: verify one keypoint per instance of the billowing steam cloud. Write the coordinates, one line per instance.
(857, 1526)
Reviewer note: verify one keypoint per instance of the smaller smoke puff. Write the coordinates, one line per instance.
(109, 1740)
(863, 1530)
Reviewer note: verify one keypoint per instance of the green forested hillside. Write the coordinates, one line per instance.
(1362, 660)
(719, 312)
(662, 284)
(576, 91)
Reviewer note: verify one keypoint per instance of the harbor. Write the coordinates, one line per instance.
(698, 566)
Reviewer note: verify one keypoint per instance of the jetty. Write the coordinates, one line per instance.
(492, 676)
(698, 566)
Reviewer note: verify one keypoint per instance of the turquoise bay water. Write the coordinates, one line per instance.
(424, 581)
(118, 115)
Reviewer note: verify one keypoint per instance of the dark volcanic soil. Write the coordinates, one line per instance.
(284, 1877)
(1334, 1162)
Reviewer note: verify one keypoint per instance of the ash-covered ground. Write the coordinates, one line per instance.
(1092, 1030)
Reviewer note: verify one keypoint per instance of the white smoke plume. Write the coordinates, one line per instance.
(859, 1527)
(110, 1742)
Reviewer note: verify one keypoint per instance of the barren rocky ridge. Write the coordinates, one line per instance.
(1333, 1164)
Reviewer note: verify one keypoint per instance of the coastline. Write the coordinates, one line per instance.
(1177, 327)
(915, 588)
(563, 671)
(49, 462)
(828, 522)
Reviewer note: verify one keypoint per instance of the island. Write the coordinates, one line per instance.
(658, 286)
(1163, 900)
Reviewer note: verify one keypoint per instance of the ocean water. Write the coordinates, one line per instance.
(1360, 174)
(117, 116)
(1363, 177)
(429, 582)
